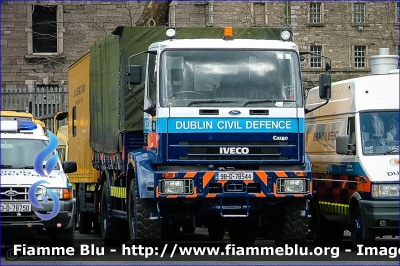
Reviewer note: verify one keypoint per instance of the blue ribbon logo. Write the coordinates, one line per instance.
(50, 165)
(36, 203)
(41, 156)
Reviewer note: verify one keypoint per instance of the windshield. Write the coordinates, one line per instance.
(21, 153)
(379, 132)
(230, 78)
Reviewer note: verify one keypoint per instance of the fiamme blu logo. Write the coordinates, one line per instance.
(50, 165)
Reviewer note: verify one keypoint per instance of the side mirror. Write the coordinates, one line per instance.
(328, 67)
(341, 144)
(69, 167)
(135, 74)
(325, 86)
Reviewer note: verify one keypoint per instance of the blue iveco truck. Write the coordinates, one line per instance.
(204, 127)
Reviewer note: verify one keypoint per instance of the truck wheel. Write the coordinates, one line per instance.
(359, 233)
(294, 227)
(141, 227)
(324, 232)
(216, 232)
(84, 222)
(113, 230)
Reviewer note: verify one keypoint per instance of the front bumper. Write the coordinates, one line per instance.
(28, 225)
(374, 211)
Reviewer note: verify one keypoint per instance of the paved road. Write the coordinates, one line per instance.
(90, 250)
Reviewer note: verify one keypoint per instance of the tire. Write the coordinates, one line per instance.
(294, 229)
(113, 231)
(359, 233)
(324, 232)
(84, 222)
(216, 232)
(142, 229)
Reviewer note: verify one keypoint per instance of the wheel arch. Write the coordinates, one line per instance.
(355, 198)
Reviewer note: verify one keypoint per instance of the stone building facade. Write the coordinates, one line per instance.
(347, 32)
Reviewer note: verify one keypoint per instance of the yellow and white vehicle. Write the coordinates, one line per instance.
(353, 144)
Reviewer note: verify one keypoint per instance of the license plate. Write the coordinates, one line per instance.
(16, 207)
(226, 175)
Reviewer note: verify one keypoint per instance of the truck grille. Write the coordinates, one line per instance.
(12, 193)
(256, 151)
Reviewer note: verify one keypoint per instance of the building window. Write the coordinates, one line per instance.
(359, 12)
(258, 14)
(315, 60)
(315, 13)
(46, 30)
(360, 56)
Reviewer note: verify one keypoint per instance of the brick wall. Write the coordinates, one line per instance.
(85, 22)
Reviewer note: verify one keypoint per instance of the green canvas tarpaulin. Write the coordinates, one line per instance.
(113, 109)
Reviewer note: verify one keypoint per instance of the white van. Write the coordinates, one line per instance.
(51, 222)
(353, 144)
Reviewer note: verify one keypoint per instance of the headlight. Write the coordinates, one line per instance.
(176, 186)
(289, 185)
(385, 190)
(61, 193)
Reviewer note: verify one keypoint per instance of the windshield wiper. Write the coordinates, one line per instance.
(392, 149)
(268, 101)
(27, 167)
(211, 101)
(6, 166)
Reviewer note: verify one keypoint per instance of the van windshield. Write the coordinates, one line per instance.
(379, 132)
(194, 78)
(21, 153)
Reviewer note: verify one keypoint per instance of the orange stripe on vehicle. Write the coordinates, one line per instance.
(276, 194)
(260, 195)
(298, 195)
(190, 174)
(211, 195)
(157, 194)
(263, 176)
(207, 177)
(172, 196)
(281, 174)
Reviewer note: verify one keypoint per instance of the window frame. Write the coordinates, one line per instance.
(312, 14)
(313, 57)
(359, 14)
(356, 56)
(60, 31)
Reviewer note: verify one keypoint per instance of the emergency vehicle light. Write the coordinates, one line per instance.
(16, 126)
(228, 33)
